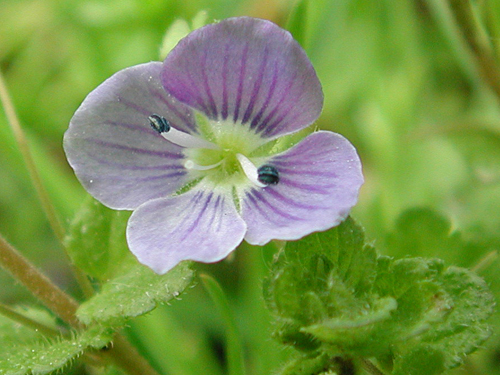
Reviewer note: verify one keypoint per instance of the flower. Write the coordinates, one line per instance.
(199, 146)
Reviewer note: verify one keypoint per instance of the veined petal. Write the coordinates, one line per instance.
(319, 183)
(201, 225)
(246, 70)
(110, 144)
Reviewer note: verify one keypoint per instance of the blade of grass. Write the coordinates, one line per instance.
(44, 197)
(236, 365)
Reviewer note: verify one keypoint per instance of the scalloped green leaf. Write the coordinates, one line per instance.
(320, 277)
(136, 292)
(331, 294)
(465, 327)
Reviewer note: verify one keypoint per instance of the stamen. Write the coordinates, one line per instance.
(162, 126)
(262, 177)
(159, 123)
(268, 175)
(189, 164)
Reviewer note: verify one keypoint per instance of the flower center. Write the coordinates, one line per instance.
(223, 156)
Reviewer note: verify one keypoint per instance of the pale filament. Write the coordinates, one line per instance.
(189, 164)
(250, 170)
(187, 140)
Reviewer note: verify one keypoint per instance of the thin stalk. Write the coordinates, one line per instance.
(370, 368)
(44, 197)
(12, 314)
(236, 365)
(465, 18)
(125, 356)
(485, 261)
(38, 284)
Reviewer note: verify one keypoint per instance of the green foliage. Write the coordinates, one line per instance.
(135, 292)
(178, 30)
(96, 241)
(25, 351)
(332, 294)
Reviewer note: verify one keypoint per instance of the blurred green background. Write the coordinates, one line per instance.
(399, 82)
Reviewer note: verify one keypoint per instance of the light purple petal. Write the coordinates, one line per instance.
(249, 70)
(115, 153)
(200, 225)
(319, 183)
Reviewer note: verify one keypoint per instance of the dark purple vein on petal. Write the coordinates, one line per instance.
(134, 106)
(256, 88)
(264, 126)
(163, 154)
(215, 213)
(131, 167)
(197, 94)
(133, 127)
(239, 94)
(146, 179)
(220, 212)
(278, 196)
(211, 101)
(256, 120)
(224, 110)
(189, 209)
(259, 199)
(278, 124)
(307, 188)
(199, 216)
(171, 107)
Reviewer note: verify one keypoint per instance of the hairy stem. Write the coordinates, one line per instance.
(123, 354)
(44, 197)
(38, 284)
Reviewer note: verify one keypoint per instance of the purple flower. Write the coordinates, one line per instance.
(199, 147)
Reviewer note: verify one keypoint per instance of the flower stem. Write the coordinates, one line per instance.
(38, 284)
(44, 197)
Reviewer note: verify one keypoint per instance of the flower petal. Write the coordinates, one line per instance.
(319, 183)
(247, 70)
(110, 144)
(200, 225)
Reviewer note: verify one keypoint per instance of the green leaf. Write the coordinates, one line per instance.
(134, 293)
(28, 352)
(465, 327)
(421, 360)
(331, 294)
(322, 276)
(96, 241)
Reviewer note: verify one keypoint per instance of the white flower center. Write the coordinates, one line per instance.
(221, 153)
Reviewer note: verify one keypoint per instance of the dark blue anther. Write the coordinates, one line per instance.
(159, 123)
(268, 175)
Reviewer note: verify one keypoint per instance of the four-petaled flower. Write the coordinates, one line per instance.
(199, 146)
